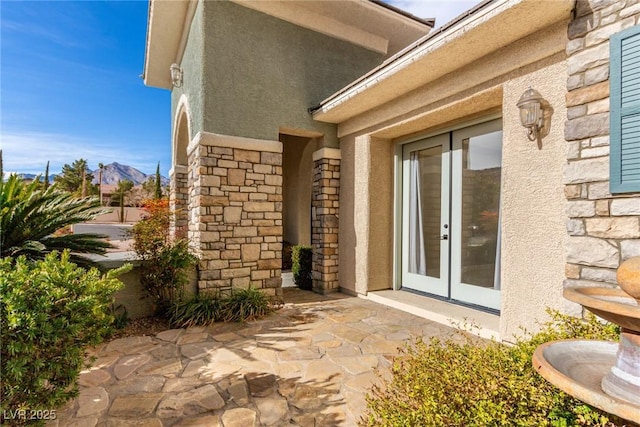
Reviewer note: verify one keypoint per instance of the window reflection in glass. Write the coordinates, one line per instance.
(481, 176)
(425, 211)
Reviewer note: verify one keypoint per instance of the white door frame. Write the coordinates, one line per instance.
(399, 210)
(484, 297)
(434, 285)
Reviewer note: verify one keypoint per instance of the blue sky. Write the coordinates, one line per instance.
(70, 85)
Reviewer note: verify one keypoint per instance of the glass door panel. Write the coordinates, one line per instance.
(425, 248)
(477, 172)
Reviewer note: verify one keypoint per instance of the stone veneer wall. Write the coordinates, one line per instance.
(325, 204)
(178, 196)
(604, 229)
(235, 209)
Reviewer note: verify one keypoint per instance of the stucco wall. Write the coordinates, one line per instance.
(193, 70)
(532, 205)
(262, 73)
(482, 75)
(131, 215)
(297, 167)
(133, 297)
(533, 198)
(348, 242)
(366, 214)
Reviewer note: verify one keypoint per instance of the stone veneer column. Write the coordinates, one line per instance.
(178, 195)
(603, 228)
(236, 212)
(325, 204)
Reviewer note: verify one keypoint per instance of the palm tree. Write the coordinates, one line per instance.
(30, 216)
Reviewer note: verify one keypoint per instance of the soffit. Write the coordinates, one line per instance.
(491, 27)
(365, 23)
(165, 24)
(361, 22)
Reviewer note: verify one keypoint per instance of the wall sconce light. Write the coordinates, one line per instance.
(531, 117)
(176, 75)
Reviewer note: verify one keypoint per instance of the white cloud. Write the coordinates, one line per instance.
(443, 10)
(28, 152)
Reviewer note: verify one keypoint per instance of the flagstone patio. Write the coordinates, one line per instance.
(308, 364)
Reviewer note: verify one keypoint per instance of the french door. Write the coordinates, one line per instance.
(451, 214)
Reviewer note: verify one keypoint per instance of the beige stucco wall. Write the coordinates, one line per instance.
(492, 70)
(533, 199)
(347, 221)
(366, 214)
(131, 215)
(297, 166)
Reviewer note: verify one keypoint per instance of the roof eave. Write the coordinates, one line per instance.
(429, 22)
(164, 33)
(509, 20)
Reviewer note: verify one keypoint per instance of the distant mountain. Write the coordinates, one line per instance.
(114, 172)
(32, 176)
(28, 176)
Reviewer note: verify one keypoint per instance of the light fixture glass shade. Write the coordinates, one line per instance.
(530, 114)
(176, 75)
(530, 105)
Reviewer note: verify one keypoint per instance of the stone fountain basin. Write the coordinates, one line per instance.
(611, 304)
(577, 368)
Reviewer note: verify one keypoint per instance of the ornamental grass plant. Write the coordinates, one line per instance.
(204, 309)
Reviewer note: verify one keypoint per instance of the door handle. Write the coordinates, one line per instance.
(444, 237)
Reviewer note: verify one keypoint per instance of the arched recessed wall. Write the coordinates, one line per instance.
(179, 196)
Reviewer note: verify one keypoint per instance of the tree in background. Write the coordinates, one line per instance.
(101, 167)
(148, 188)
(46, 177)
(152, 188)
(158, 190)
(76, 179)
(120, 194)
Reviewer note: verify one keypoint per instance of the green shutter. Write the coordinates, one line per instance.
(625, 111)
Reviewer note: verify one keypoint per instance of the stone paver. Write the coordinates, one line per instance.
(135, 405)
(310, 363)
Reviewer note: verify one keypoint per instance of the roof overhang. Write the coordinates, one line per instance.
(489, 27)
(167, 26)
(367, 23)
(371, 24)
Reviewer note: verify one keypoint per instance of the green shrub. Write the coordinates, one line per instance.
(286, 255)
(166, 273)
(204, 309)
(164, 263)
(51, 310)
(465, 382)
(301, 258)
(30, 216)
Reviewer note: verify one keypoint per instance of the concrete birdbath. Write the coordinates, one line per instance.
(603, 374)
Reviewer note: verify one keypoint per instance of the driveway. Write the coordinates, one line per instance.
(308, 364)
(113, 231)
